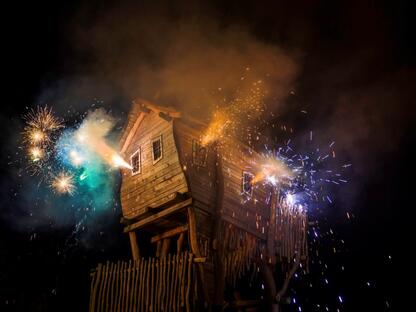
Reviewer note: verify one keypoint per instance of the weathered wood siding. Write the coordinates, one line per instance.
(201, 179)
(176, 172)
(250, 213)
(157, 183)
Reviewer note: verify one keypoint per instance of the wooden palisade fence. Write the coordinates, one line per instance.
(152, 284)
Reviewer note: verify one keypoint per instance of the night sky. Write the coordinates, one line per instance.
(348, 64)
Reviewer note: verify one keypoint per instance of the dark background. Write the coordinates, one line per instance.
(358, 52)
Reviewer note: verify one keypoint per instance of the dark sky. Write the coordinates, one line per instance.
(350, 65)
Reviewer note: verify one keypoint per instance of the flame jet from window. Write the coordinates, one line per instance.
(92, 133)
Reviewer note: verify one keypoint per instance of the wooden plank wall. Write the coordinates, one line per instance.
(201, 179)
(157, 183)
(250, 213)
(291, 232)
(153, 284)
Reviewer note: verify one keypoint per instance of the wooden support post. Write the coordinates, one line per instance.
(179, 243)
(157, 216)
(271, 235)
(134, 247)
(158, 248)
(193, 242)
(270, 287)
(165, 247)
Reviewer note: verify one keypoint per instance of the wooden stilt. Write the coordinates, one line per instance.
(165, 247)
(158, 248)
(271, 252)
(179, 243)
(193, 241)
(134, 247)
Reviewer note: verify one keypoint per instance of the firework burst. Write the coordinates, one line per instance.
(36, 154)
(63, 183)
(43, 120)
(40, 127)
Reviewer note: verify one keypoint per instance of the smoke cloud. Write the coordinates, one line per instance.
(193, 63)
(199, 59)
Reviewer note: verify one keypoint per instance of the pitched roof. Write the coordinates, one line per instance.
(139, 109)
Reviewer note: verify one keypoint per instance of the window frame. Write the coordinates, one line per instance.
(245, 172)
(158, 138)
(139, 153)
(196, 148)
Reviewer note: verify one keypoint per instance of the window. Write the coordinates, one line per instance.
(199, 154)
(248, 183)
(157, 149)
(136, 162)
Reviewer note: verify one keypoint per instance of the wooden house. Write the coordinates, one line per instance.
(183, 196)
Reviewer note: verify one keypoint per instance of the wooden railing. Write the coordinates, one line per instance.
(153, 284)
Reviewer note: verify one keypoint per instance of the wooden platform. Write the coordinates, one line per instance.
(157, 216)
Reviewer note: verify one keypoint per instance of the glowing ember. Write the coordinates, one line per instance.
(63, 183)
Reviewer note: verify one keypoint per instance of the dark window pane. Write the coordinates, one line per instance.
(157, 149)
(199, 154)
(248, 183)
(135, 162)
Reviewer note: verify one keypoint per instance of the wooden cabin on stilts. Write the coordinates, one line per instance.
(210, 228)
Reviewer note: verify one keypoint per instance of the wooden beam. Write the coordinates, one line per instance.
(193, 240)
(170, 233)
(144, 109)
(165, 116)
(157, 216)
(132, 132)
(134, 246)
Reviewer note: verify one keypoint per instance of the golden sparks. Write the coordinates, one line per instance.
(63, 183)
(36, 153)
(43, 120)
